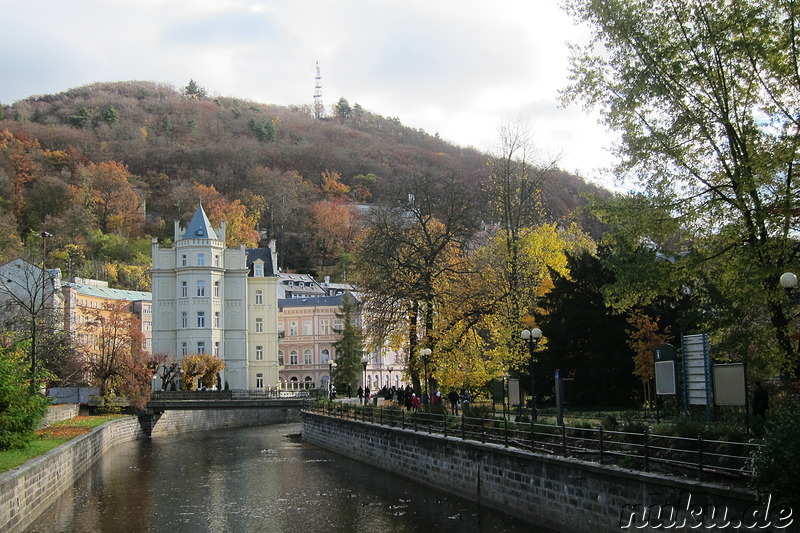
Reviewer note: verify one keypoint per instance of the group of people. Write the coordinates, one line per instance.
(406, 397)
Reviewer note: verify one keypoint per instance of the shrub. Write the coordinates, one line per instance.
(776, 464)
(610, 423)
(20, 408)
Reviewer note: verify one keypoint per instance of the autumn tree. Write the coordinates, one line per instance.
(116, 205)
(112, 344)
(408, 248)
(20, 155)
(332, 186)
(333, 227)
(240, 225)
(200, 369)
(704, 96)
(645, 336)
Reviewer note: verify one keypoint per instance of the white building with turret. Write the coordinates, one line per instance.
(208, 298)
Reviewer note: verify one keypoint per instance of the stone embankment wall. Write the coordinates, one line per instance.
(26, 491)
(552, 493)
(56, 413)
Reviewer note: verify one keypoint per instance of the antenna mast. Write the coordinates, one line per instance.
(318, 107)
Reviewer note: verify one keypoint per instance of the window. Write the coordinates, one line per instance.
(337, 325)
(201, 259)
(184, 320)
(259, 353)
(183, 260)
(201, 347)
(216, 348)
(216, 289)
(259, 325)
(325, 327)
(306, 327)
(293, 357)
(216, 319)
(184, 289)
(201, 319)
(280, 357)
(201, 287)
(292, 328)
(259, 381)
(216, 260)
(259, 298)
(307, 357)
(325, 356)
(184, 348)
(259, 270)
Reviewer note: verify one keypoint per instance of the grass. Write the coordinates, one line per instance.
(51, 437)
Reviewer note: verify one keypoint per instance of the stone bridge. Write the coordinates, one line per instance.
(161, 401)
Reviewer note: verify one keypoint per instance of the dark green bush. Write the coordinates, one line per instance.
(776, 464)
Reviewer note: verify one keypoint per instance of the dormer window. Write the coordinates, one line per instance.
(258, 269)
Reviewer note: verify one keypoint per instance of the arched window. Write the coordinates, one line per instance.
(325, 356)
(307, 357)
(280, 358)
(293, 357)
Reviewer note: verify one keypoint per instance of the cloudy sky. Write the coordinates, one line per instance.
(452, 67)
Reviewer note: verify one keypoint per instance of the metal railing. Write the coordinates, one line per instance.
(711, 460)
(260, 394)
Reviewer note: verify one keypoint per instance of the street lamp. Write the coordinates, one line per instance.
(425, 353)
(532, 336)
(788, 281)
(364, 361)
(331, 365)
(390, 369)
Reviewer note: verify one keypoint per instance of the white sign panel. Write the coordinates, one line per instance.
(695, 369)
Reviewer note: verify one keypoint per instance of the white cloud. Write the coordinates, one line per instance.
(455, 67)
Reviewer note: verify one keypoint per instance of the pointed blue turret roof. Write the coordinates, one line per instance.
(199, 227)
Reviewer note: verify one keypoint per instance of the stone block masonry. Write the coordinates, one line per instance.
(56, 413)
(549, 492)
(26, 491)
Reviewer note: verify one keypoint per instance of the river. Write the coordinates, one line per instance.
(253, 480)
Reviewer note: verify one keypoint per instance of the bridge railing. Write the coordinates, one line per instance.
(261, 394)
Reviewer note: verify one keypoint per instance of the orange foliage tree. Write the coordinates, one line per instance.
(334, 227)
(240, 225)
(112, 343)
(116, 204)
(644, 339)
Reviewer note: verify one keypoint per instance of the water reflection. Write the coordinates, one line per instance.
(253, 479)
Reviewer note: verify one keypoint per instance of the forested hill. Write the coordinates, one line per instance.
(172, 139)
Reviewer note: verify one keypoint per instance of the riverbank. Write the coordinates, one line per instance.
(557, 493)
(26, 491)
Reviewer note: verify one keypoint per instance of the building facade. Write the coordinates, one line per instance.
(208, 298)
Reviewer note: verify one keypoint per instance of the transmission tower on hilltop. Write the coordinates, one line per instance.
(318, 107)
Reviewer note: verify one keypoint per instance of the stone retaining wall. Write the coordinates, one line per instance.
(552, 493)
(26, 491)
(56, 413)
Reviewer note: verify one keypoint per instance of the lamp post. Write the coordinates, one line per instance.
(425, 353)
(532, 336)
(364, 361)
(331, 366)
